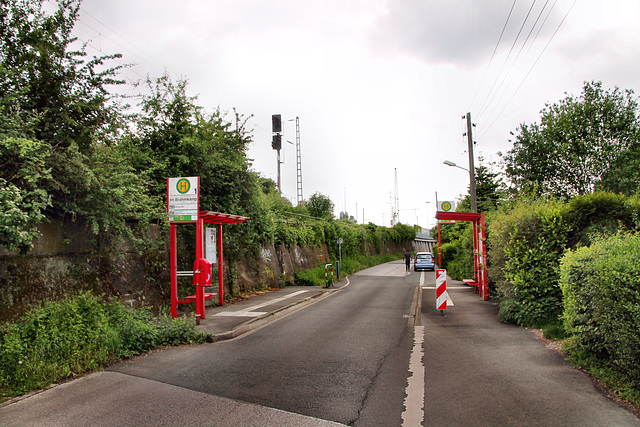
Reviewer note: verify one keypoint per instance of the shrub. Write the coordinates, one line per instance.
(80, 334)
(601, 287)
(532, 238)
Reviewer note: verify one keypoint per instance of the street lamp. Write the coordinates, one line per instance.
(472, 184)
(450, 163)
(427, 203)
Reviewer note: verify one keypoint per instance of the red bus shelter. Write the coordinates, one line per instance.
(479, 247)
(204, 217)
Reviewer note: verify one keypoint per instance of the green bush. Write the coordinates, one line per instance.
(531, 238)
(79, 334)
(597, 213)
(601, 287)
(316, 276)
(457, 253)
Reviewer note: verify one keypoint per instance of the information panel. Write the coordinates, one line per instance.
(210, 244)
(183, 199)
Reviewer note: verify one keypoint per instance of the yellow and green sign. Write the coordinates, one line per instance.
(446, 206)
(183, 199)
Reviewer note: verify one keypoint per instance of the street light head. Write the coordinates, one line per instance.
(449, 163)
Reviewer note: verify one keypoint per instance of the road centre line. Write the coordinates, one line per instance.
(413, 414)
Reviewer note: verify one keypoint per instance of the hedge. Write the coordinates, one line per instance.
(601, 288)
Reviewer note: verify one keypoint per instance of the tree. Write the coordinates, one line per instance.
(54, 97)
(22, 200)
(577, 141)
(320, 206)
(49, 91)
(489, 189)
(624, 175)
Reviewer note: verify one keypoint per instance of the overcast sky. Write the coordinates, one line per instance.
(378, 85)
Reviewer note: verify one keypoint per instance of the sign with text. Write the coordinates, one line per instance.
(183, 199)
(210, 245)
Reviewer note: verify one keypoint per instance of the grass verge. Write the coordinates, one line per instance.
(316, 277)
(79, 334)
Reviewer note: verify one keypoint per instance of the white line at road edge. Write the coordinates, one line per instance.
(413, 414)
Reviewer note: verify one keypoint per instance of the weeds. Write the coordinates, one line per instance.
(80, 334)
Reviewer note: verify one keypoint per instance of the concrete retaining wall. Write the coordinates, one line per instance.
(68, 259)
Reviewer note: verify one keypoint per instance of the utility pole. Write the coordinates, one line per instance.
(299, 162)
(472, 173)
(394, 208)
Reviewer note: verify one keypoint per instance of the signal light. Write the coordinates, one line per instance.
(276, 123)
(276, 143)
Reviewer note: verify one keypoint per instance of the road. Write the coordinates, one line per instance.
(356, 358)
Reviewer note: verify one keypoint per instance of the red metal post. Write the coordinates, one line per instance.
(220, 264)
(173, 254)
(476, 275)
(483, 261)
(439, 250)
(199, 286)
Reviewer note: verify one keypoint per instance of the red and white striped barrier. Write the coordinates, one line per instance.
(441, 289)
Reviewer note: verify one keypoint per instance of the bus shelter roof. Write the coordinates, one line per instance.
(217, 218)
(457, 216)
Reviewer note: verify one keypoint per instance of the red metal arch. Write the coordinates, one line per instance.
(204, 217)
(479, 247)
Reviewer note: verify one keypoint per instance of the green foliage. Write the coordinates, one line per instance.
(577, 141)
(601, 287)
(51, 92)
(350, 265)
(22, 197)
(174, 136)
(320, 206)
(624, 175)
(529, 241)
(597, 213)
(457, 252)
(401, 233)
(77, 335)
(490, 190)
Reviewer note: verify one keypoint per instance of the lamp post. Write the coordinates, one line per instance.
(472, 183)
(427, 203)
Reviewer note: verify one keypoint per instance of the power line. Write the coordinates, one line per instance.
(490, 97)
(530, 69)
(492, 55)
(510, 73)
(149, 60)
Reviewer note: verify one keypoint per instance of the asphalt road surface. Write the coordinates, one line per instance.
(358, 357)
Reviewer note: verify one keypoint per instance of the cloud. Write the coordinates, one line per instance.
(456, 31)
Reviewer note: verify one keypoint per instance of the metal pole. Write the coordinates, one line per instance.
(220, 264)
(299, 163)
(200, 314)
(472, 174)
(173, 251)
(279, 188)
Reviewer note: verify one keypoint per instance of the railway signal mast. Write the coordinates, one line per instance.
(276, 142)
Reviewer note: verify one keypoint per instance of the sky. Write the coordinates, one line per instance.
(380, 87)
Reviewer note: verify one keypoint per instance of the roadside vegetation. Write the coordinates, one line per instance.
(563, 227)
(67, 338)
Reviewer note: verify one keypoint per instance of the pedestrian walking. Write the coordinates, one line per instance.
(407, 259)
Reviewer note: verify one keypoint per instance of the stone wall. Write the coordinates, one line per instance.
(68, 259)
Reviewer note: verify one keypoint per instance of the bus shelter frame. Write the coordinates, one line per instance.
(204, 217)
(479, 247)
